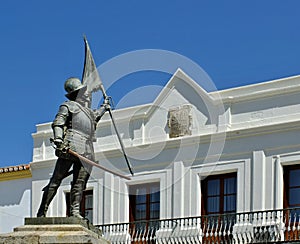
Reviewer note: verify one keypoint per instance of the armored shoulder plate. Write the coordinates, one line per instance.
(72, 107)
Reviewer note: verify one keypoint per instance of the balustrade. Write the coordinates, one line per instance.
(252, 227)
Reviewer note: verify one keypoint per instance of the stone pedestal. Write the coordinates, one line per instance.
(54, 230)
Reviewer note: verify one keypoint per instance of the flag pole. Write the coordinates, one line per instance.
(92, 79)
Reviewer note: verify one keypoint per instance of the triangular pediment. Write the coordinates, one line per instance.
(181, 90)
(184, 101)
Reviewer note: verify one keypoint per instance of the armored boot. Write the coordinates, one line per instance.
(75, 205)
(49, 193)
(76, 195)
(80, 179)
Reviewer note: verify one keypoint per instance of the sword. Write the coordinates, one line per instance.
(88, 161)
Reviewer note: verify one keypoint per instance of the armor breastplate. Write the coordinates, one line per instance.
(80, 129)
(80, 119)
(81, 123)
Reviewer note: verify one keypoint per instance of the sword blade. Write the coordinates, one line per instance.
(90, 162)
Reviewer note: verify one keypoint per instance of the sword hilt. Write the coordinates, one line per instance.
(64, 148)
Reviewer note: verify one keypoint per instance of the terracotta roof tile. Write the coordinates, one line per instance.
(14, 168)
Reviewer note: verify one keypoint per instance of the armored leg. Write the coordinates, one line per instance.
(61, 169)
(49, 193)
(76, 196)
(81, 176)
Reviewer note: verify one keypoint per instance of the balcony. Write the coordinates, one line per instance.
(273, 226)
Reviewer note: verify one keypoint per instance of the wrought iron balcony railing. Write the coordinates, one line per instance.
(252, 227)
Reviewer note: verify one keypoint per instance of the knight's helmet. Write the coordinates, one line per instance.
(72, 87)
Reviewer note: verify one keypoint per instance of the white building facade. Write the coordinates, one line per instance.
(217, 164)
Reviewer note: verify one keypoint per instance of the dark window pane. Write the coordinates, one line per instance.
(230, 186)
(213, 204)
(154, 211)
(140, 199)
(294, 196)
(140, 212)
(141, 195)
(154, 197)
(154, 193)
(295, 177)
(213, 187)
(89, 201)
(230, 203)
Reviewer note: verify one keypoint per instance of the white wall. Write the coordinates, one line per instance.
(15, 203)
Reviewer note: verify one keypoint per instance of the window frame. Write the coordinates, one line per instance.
(221, 195)
(286, 185)
(133, 204)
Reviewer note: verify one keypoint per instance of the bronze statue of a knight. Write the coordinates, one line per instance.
(74, 132)
(73, 127)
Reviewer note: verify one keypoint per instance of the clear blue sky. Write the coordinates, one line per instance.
(235, 42)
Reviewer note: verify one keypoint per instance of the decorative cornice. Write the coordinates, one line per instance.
(282, 86)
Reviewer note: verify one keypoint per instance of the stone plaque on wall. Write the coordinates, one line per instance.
(180, 121)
